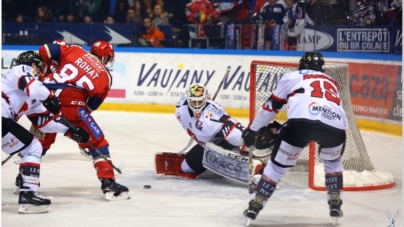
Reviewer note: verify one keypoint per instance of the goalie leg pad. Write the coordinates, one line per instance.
(170, 164)
(228, 164)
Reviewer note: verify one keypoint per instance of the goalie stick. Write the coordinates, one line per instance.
(93, 147)
(213, 98)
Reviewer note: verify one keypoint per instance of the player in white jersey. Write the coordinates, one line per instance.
(209, 125)
(315, 113)
(22, 94)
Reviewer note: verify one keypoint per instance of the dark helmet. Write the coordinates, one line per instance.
(29, 57)
(313, 61)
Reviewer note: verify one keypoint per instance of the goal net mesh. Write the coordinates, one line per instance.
(356, 161)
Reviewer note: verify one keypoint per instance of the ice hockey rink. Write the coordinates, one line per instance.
(69, 180)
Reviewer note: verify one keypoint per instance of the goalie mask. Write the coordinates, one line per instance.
(196, 97)
(313, 61)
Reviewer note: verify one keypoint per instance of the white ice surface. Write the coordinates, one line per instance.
(69, 180)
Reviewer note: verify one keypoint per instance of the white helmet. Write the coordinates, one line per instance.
(196, 97)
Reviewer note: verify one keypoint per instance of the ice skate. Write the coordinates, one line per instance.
(32, 203)
(335, 206)
(114, 191)
(18, 159)
(18, 182)
(255, 206)
(86, 153)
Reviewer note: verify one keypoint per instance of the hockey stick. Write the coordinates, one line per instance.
(250, 169)
(221, 83)
(93, 147)
(8, 158)
(214, 97)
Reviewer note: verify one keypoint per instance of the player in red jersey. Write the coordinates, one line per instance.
(84, 81)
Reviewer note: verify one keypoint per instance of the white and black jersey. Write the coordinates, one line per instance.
(214, 125)
(22, 94)
(311, 96)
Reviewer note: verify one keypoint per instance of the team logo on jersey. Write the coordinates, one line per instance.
(315, 108)
(327, 112)
(179, 117)
(198, 125)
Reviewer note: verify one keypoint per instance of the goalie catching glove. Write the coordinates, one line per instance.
(78, 134)
(264, 138)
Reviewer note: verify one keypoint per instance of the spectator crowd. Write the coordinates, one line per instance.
(292, 15)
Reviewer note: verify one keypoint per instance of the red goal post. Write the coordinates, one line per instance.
(359, 173)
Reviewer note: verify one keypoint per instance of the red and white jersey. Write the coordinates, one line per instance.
(79, 68)
(310, 95)
(22, 94)
(214, 125)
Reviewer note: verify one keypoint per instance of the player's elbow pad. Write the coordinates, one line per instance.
(93, 103)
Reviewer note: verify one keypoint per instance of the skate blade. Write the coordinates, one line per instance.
(17, 160)
(16, 190)
(33, 209)
(85, 154)
(334, 221)
(248, 222)
(111, 197)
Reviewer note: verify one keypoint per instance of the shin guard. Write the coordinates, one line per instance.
(333, 181)
(265, 187)
(30, 176)
(104, 170)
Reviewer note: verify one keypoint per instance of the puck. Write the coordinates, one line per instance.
(146, 186)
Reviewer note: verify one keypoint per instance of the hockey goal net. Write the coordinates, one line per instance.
(359, 173)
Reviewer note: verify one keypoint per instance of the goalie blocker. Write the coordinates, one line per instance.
(216, 159)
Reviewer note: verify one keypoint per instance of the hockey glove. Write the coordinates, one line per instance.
(78, 134)
(268, 135)
(274, 125)
(52, 103)
(250, 137)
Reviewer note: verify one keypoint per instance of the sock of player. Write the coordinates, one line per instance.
(334, 182)
(104, 170)
(30, 165)
(265, 188)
